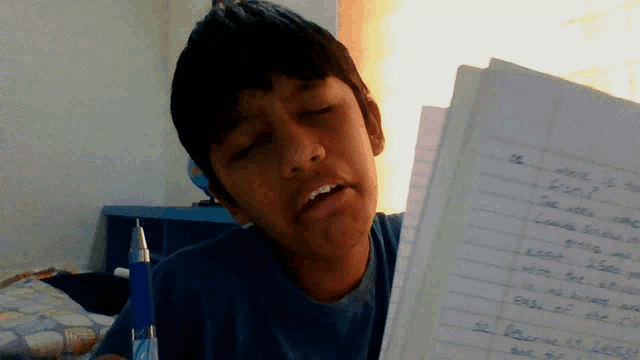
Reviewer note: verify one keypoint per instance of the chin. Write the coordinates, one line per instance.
(348, 231)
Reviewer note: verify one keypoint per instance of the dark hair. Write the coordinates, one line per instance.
(235, 48)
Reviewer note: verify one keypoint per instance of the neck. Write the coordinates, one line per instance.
(328, 280)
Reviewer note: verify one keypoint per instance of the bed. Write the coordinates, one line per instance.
(40, 321)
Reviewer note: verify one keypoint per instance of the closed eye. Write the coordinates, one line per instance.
(317, 112)
(242, 154)
(259, 140)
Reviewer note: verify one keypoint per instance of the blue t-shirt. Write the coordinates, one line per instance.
(229, 298)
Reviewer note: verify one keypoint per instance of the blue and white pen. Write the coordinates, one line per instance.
(143, 331)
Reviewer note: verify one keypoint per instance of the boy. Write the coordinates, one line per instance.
(271, 108)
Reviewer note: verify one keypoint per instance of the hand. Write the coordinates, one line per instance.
(111, 357)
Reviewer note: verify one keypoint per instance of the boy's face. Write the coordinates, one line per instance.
(297, 139)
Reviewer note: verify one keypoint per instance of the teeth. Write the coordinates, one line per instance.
(324, 189)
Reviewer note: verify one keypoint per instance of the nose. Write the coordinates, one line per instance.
(301, 151)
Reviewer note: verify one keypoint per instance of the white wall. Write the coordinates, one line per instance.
(84, 119)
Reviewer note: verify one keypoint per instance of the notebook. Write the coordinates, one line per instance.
(525, 242)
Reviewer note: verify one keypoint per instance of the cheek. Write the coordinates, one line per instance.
(359, 149)
(263, 194)
(262, 190)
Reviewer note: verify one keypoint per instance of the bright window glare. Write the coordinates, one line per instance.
(424, 42)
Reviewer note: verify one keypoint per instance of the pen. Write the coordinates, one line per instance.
(143, 331)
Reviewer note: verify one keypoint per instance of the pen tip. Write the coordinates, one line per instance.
(137, 222)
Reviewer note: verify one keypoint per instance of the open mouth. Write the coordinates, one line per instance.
(320, 199)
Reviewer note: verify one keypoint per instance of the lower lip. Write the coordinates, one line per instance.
(327, 205)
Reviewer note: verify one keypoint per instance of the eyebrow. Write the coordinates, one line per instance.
(309, 85)
(238, 120)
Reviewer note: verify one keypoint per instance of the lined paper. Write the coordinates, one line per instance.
(431, 131)
(398, 337)
(549, 263)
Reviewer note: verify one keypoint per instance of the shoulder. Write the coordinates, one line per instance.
(194, 289)
(221, 261)
(385, 234)
(388, 226)
(386, 231)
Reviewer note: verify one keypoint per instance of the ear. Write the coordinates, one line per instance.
(374, 127)
(238, 215)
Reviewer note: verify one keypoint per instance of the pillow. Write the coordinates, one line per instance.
(9, 275)
(40, 321)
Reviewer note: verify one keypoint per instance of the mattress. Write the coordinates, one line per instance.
(37, 320)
